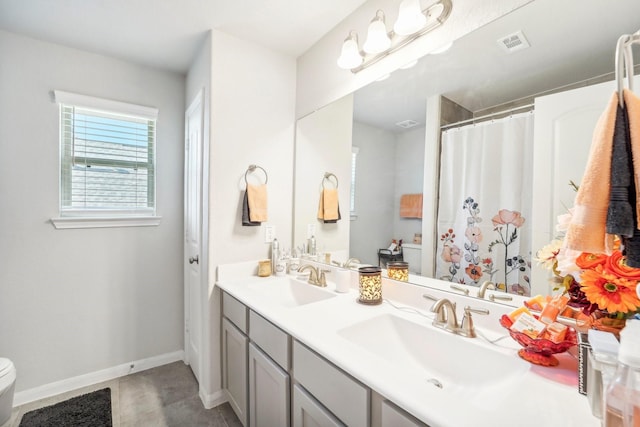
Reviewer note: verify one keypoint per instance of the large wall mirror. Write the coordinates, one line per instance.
(386, 131)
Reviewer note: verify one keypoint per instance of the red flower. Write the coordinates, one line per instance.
(588, 260)
(473, 271)
(617, 264)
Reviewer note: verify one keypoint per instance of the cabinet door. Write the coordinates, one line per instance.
(268, 391)
(234, 368)
(308, 412)
(392, 416)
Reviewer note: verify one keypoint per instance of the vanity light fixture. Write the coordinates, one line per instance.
(410, 18)
(412, 23)
(350, 56)
(377, 38)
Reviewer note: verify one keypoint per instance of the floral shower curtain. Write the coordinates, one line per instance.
(484, 213)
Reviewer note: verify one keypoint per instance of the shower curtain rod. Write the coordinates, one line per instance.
(487, 116)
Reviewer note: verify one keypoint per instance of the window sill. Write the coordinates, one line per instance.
(62, 223)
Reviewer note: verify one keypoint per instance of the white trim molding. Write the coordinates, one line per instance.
(97, 377)
(62, 223)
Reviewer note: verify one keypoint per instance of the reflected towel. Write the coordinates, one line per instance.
(246, 221)
(587, 229)
(620, 214)
(328, 207)
(257, 195)
(632, 105)
(411, 206)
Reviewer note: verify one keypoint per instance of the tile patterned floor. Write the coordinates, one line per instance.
(166, 396)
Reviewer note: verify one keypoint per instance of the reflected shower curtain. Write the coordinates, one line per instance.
(484, 212)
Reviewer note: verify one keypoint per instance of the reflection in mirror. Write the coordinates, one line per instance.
(569, 48)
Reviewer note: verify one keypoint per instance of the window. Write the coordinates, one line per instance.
(107, 159)
(352, 198)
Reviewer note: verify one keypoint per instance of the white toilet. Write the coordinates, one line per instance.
(7, 384)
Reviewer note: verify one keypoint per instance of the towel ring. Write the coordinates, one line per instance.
(252, 168)
(327, 177)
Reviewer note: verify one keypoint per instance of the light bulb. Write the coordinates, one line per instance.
(350, 55)
(410, 18)
(377, 38)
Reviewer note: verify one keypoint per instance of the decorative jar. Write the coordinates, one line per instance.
(398, 270)
(370, 285)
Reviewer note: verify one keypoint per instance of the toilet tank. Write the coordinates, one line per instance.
(412, 254)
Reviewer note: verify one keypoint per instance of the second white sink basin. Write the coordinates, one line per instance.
(448, 361)
(289, 292)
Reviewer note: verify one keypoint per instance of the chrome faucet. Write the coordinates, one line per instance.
(316, 275)
(483, 288)
(489, 285)
(347, 263)
(446, 317)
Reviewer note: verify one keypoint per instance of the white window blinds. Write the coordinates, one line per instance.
(107, 157)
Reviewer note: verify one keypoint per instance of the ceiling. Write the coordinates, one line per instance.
(571, 40)
(168, 33)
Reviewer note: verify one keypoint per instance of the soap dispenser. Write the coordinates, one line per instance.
(275, 255)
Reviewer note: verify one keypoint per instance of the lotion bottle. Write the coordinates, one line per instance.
(622, 399)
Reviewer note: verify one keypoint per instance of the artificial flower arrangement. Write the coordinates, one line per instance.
(601, 285)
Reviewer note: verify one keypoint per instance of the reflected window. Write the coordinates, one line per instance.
(352, 199)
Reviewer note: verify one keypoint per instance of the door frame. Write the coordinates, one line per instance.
(197, 102)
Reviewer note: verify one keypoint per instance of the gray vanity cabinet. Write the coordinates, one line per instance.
(331, 387)
(235, 347)
(268, 391)
(308, 412)
(269, 384)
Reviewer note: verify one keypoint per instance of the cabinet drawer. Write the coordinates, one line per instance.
(235, 311)
(337, 391)
(271, 339)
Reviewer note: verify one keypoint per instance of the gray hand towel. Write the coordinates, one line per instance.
(245, 212)
(620, 214)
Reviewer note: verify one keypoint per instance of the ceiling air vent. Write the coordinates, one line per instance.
(407, 124)
(513, 42)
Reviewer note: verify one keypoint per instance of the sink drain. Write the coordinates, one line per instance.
(435, 382)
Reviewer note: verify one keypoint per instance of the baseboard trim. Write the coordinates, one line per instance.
(214, 399)
(96, 377)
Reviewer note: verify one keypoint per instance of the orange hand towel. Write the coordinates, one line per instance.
(411, 206)
(328, 206)
(587, 229)
(632, 105)
(257, 195)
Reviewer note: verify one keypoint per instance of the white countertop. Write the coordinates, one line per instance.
(539, 397)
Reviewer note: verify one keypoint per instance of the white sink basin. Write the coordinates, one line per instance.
(448, 361)
(289, 292)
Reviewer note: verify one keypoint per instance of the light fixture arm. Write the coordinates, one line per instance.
(439, 20)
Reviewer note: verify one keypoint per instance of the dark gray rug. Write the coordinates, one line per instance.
(89, 410)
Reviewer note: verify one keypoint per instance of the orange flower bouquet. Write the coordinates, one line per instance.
(602, 286)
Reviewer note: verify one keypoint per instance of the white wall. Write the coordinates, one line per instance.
(252, 104)
(409, 167)
(375, 187)
(321, 82)
(74, 302)
(323, 144)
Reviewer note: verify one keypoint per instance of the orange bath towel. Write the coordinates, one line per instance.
(257, 195)
(411, 206)
(587, 230)
(328, 206)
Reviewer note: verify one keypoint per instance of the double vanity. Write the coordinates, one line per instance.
(298, 354)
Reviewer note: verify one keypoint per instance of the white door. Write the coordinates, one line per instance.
(193, 234)
(563, 130)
